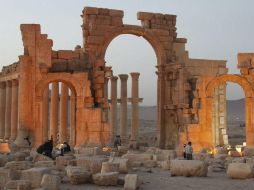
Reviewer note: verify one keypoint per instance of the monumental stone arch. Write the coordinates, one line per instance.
(248, 91)
(184, 86)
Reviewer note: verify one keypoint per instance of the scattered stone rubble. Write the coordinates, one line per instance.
(109, 169)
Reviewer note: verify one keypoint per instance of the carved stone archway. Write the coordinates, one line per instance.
(249, 102)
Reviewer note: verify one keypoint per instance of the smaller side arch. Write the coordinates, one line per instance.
(242, 81)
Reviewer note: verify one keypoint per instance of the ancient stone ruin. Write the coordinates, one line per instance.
(190, 92)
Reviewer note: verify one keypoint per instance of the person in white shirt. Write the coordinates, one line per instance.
(188, 151)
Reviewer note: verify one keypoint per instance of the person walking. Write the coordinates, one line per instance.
(188, 151)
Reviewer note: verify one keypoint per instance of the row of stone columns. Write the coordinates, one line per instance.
(52, 129)
(123, 107)
(9, 109)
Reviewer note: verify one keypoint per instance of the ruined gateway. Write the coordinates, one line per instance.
(191, 96)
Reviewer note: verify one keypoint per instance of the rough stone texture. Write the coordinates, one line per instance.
(92, 164)
(132, 182)
(240, 171)
(165, 165)
(24, 185)
(4, 177)
(109, 167)
(51, 182)
(106, 179)
(45, 164)
(248, 151)
(62, 161)
(40, 157)
(137, 157)
(123, 164)
(35, 175)
(19, 165)
(189, 168)
(78, 175)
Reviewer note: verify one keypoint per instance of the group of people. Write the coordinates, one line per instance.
(187, 151)
(47, 148)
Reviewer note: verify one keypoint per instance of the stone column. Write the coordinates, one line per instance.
(54, 111)
(2, 108)
(14, 110)
(8, 111)
(63, 112)
(113, 108)
(134, 110)
(123, 112)
(45, 114)
(106, 100)
(73, 120)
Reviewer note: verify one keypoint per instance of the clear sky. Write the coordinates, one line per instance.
(215, 29)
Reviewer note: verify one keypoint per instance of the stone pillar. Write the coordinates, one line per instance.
(54, 111)
(63, 112)
(134, 110)
(123, 112)
(14, 110)
(106, 100)
(113, 108)
(8, 111)
(73, 120)
(45, 114)
(2, 108)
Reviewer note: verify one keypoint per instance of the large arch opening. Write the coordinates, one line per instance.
(128, 53)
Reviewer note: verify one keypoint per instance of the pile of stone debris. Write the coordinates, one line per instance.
(26, 169)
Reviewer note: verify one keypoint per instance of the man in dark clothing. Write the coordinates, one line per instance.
(46, 148)
(117, 141)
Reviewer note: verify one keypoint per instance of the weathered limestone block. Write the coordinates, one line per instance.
(138, 157)
(3, 160)
(35, 175)
(4, 177)
(165, 165)
(62, 161)
(92, 164)
(24, 185)
(123, 164)
(51, 182)
(15, 184)
(78, 175)
(221, 150)
(39, 157)
(14, 174)
(19, 165)
(132, 182)
(67, 54)
(150, 164)
(220, 156)
(106, 179)
(248, 151)
(109, 167)
(189, 168)
(240, 171)
(49, 164)
(20, 156)
(234, 153)
(88, 151)
(249, 160)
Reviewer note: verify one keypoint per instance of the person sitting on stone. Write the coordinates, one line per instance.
(66, 147)
(46, 148)
(188, 151)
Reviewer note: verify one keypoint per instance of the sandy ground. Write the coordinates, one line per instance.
(161, 180)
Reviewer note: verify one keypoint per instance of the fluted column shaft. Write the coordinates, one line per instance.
(113, 108)
(134, 109)
(2, 108)
(14, 110)
(73, 120)
(54, 111)
(63, 113)
(45, 113)
(123, 111)
(8, 111)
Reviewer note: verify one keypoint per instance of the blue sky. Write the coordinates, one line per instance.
(215, 29)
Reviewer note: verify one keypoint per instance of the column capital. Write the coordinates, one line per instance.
(113, 78)
(135, 75)
(123, 77)
(15, 82)
(2, 85)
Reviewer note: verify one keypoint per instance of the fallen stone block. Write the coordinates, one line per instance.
(165, 165)
(62, 161)
(189, 168)
(92, 164)
(35, 175)
(24, 185)
(138, 157)
(51, 182)
(49, 164)
(78, 175)
(132, 182)
(123, 164)
(106, 179)
(4, 177)
(109, 167)
(220, 156)
(39, 157)
(240, 171)
(19, 165)
(248, 151)
(149, 164)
